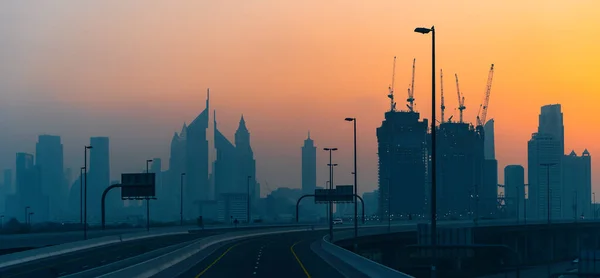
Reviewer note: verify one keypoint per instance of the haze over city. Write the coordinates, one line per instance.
(136, 75)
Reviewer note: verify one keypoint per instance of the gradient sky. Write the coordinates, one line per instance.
(136, 70)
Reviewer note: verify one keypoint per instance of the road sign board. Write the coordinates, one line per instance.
(344, 193)
(138, 186)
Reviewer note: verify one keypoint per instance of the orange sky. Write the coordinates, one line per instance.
(291, 66)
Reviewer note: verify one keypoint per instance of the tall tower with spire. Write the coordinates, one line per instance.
(309, 166)
(246, 164)
(196, 163)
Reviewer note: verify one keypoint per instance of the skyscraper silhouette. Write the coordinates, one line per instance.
(544, 149)
(196, 157)
(49, 161)
(514, 190)
(98, 177)
(551, 122)
(309, 166)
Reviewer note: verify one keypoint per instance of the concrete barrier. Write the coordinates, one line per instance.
(161, 263)
(360, 263)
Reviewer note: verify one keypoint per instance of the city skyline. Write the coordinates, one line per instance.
(141, 127)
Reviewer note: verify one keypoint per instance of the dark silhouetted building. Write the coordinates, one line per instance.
(489, 146)
(551, 122)
(246, 167)
(49, 161)
(98, 177)
(309, 166)
(577, 185)
(514, 190)
(196, 163)
(403, 156)
(544, 149)
(176, 168)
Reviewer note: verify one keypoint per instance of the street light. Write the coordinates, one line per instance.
(547, 165)
(181, 202)
(81, 195)
(248, 202)
(29, 218)
(355, 181)
(423, 30)
(85, 150)
(330, 150)
(148, 200)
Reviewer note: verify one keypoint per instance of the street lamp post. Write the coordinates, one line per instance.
(29, 218)
(85, 150)
(181, 201)
(433, 149)
(355, 181)
(1, 222)
(81, 195)
(330, 150)
(26, 215)
(248, 202)
(547, 165)
(148, 199)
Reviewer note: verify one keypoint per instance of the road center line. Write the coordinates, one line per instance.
(218, 259)
(298, 259)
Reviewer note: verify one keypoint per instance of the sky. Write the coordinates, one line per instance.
(137, 70)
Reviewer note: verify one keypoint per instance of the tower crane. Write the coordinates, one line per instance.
(391, 88)
(442, 89)
(461, 100)
(486, 100)
(411, 90)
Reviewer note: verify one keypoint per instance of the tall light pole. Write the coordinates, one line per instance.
(148, 199)
(29, 218)
(181, 201)
(547, 165)
(355, 181)
(26, 215)
(433, 149)
(330, 150)
(248, 202)
(85, 150)
(81, 195)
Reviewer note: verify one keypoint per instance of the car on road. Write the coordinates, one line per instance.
(338, 221)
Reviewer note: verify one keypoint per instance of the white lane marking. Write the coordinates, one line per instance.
(103, 261)
(254, 273)
(62, 273)
(84, 267)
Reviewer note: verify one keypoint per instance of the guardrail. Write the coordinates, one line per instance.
(56, 250)
(360, 263)
(161, 263)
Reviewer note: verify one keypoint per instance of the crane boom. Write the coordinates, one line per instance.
(411, 90)
(391, 88)
(442, 90)
(461, 100)
(486, 100)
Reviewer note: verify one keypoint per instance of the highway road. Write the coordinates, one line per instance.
(86, 259)
(287, 255)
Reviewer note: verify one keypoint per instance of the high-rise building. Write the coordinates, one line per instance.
(309, 166)
(225, 167)
(514, 190)
(577, 185)
(246, 163)
(462, 189)
(403, 156)
(177, 160)
(544, 167)
(28, 189)
(489, 148)
(49, 160)
(551, 122)
(196, 163)
(98, 177)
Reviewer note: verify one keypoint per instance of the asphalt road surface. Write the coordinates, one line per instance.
(86, 259)
(287, 255)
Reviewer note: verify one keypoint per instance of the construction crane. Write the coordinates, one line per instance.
(411, 90)
(482, 114)
(442, 89)
(461, 100)
(391, 88)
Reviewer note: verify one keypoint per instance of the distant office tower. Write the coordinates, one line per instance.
(551, 122)
(577, 185)
(370, 199)
(196, 173)
(489, 147)
(225, 166)
(176, 168)
(68, 177)
(514, 190)
(156, 168)
(98, 177)
(309, 166)
(402, 152)
(49, 160)
(542, 150)
(28, 189)
(462, 188)
(246, 163)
